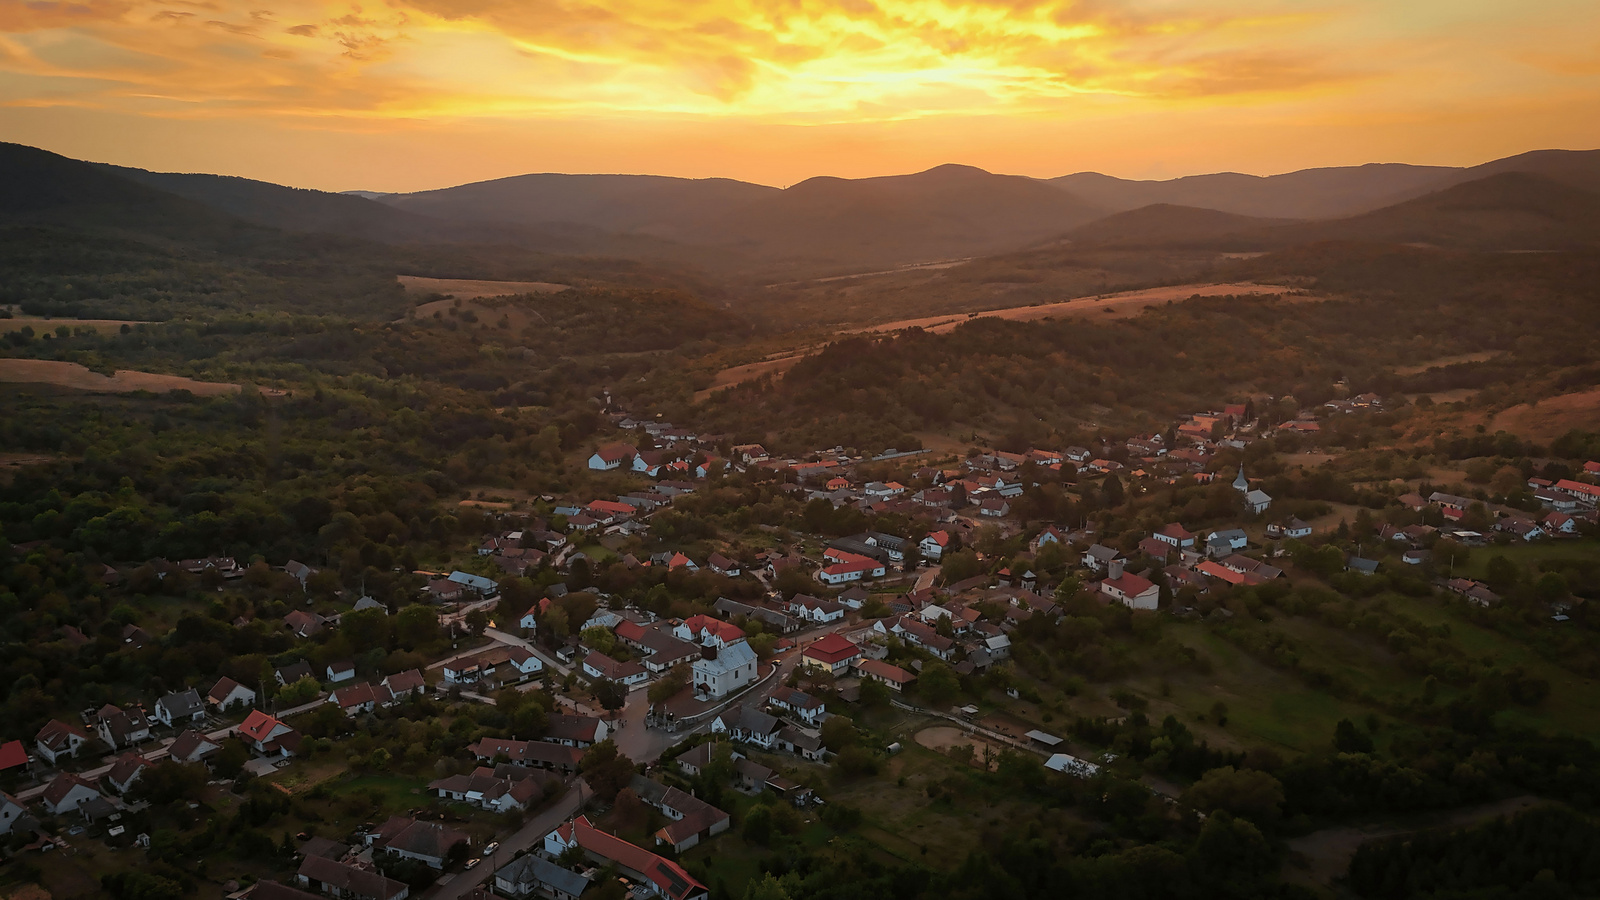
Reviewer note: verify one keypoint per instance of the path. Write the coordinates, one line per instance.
(927, 577)
(530, 834)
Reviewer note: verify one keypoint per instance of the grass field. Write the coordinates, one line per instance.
(467, 289)
(72, 375)
(43, 325)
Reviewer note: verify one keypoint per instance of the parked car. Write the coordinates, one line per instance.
(493, 846)
(473, 862)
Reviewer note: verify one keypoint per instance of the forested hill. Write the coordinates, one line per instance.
(1044, 381)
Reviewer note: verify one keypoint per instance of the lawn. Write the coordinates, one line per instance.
(1530, 555)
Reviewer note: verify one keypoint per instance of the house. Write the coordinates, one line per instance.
(751, 775)
(1213, 569)
(664, 877)
(427, 842)
(853, 597)
(499, 789)
(1519, 526)
(1051, 535)
(299, 571)
(1133, 591)
(347, 882)
(813, 609)
(494, 665)
(287, 675)
(802, 706)
(192, 747)
(266, 734)
(742, 723)
(1414, 502)
(994, 508)
(599, 665)
(1361, 566)
(691, 819)
(1232, 538)
(304, 624)
(121, 727)
(1559, 523)
(125, 771)
(11, 813)
(1289, 528)
(1475, 592)
(181, 707)
(229, 694)
(709, 632)
(724, 566)
(833, 653)
(65, 793)
(1257, 501)
(360, 698)
(925, 636)
(727, 669)
(895, 677)
(665, 651)
(799, 741)
(443, 590)
(575, 731)
(543, 754)
(343, 670)
(1155, 549)
(694, 760)
(529, 621)
(403, 684)
(1099, 556)
(610, 457)
(534, 876)
(840, 573)
(1176, 535)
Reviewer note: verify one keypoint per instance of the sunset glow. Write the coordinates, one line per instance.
(419, 93)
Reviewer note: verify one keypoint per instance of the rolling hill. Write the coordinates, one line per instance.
(1166, 225)
(1306, 194)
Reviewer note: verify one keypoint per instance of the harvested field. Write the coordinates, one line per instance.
(72, 375)
(740, 374)
(1127, 303)
(465, 289)
(1548, 419)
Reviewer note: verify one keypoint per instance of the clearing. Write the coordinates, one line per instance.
(41, 325)
(943, 738)
(72, 375)
(1126, 303)
(740, 374)
(467, 289)
(1550, 418)
(1441, 362)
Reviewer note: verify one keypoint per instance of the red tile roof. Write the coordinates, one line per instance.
(258, 725)
(832, 648)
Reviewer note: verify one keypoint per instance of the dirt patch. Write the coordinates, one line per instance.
(944, 738)
(466, 289)
(1548, 419)
(72, 375)
(1126, 303)
(485, 504)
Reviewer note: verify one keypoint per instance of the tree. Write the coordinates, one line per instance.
(477, 621)
(765, 888)
(598, 637)
(606, 769)
(938, 683)
(1348, 739)
(874, 693)
(838, 732)
(612, 695)
(1502, 574)
(670, 684)
(417, 626)
(1254, 795)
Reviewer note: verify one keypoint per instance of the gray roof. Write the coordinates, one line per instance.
(533, 869)
(730, 657)
(1363, 565)
(1103, 553)
(1231, 534)
(185, 704)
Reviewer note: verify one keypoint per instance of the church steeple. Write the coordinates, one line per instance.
(1239, 482)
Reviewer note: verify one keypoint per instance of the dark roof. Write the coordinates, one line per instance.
(532, 869)
(358, 881)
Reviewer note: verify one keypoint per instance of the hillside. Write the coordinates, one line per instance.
(1507, 211)
(1306, 194)
(1166, 225)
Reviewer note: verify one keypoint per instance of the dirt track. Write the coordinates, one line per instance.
(72, 375)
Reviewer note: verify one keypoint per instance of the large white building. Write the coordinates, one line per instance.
(733, 667)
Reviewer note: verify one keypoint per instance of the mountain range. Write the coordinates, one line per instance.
(1543, 200)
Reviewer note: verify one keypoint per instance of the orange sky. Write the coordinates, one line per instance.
(411, 94)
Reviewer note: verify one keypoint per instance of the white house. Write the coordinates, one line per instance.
(66, 793)
(529, 622)
(11, 812)
(341, 671)
(610, 457)
(599, 665)
(181, 708)
(230, 694)
(1258, 501)
(57, 739)
(1133, 591)
(733, 667)
(933, 545)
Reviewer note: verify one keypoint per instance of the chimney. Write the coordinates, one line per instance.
(1114, 569)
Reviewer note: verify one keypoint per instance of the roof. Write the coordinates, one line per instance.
(730, 657)
(350, 879)
(573, 728)
(1129, 584)
(223, 688)
(272, 890)
(62, 785)
(12, 753)
(832, 648)
(426, 839)
(126, 766)
(531, 869)
(190, 742)
(402, 682)
(54, 734)
(880, 669)
(294, 671)
(1220, 571)
(726, 631)
(612, 669)
(674, 882)
(258, 726)
(361, 694)
(1102, 553)
(186, 703)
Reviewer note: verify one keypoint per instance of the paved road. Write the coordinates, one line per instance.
(549, 661)
(927, 577)
(529, 835)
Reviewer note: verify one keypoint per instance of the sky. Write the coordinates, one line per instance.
(400, 95)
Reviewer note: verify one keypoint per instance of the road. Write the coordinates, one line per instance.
(530, 834)
(550, 662)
